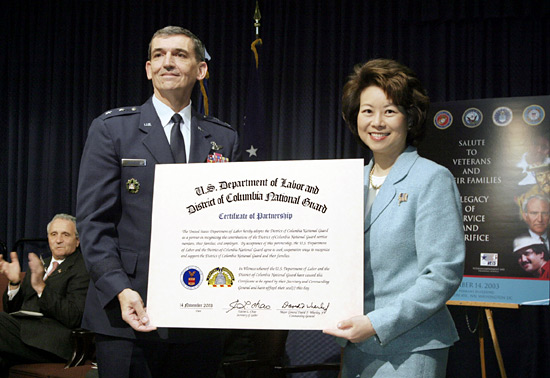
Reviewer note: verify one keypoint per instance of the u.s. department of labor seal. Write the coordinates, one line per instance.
(533, 115)
(502, 116)
(443, 119)
(191, 277)
(220, 277)
(472, 117)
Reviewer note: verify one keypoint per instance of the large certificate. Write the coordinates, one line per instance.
(257, 245)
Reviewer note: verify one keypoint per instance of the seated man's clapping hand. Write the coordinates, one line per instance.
(12, 270)
(36, 268)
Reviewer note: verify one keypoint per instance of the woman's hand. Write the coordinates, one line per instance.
(356, 329)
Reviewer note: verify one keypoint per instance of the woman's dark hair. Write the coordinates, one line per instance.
(401, 86)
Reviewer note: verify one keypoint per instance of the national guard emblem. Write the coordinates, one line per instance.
(472, 117)
(533, 115)
(502, 116)
(443, 119)
(191, 277)
(132, 186)
(220, 277)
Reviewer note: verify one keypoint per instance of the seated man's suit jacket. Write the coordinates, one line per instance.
(61, 302)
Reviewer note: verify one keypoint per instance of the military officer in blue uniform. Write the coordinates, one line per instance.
(114, 204)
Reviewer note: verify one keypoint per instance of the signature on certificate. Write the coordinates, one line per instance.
(245, 305)
(301, 305)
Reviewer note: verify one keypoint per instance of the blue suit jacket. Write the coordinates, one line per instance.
(414, 257)
(114, 223)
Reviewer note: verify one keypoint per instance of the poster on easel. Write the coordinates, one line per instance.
(498, 151)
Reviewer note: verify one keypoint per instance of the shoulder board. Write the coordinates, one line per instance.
(215, 120)
(120, 111)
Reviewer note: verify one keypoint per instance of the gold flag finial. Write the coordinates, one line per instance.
(257, 17)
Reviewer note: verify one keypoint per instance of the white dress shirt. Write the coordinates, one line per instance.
(165, 115)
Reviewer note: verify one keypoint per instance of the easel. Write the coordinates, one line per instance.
(489, 315)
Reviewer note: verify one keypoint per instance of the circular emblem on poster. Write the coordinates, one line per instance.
(502, 116)
(472, 117)
(533, 115)
(443, 119)
(191, 277)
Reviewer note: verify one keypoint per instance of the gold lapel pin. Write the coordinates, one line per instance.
(132, 186)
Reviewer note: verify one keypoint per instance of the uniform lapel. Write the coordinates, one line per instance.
(200, 143)
(155, 138)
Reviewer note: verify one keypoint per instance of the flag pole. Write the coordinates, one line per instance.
(254, 133)
(257, 18)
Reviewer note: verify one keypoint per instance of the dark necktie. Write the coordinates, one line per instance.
(176, 140)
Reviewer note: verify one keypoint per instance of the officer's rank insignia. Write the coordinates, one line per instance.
(220, 277)
(132, 186)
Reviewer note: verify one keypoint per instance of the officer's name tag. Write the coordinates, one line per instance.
(134, 162)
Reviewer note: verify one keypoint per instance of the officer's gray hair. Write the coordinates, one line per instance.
(178, 30)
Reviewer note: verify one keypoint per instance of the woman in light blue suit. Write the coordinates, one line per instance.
(414, 240)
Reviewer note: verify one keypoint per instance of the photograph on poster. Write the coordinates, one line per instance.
(499, 152)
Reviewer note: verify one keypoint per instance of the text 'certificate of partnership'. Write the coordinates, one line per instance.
(257, 245)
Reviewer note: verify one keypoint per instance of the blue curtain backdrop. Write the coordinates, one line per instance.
(65, 62)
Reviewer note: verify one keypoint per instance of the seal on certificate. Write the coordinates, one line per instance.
(191, 277)
(220, 277)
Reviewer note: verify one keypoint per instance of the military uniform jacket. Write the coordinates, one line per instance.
(114, 204)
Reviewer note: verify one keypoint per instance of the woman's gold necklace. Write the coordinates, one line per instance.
(375, 187)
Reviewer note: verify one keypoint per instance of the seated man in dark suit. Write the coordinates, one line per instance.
(55, 288)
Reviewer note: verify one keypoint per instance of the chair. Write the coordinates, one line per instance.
(4, 285)
(49, 370)
(82, 342)
(269, 359)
